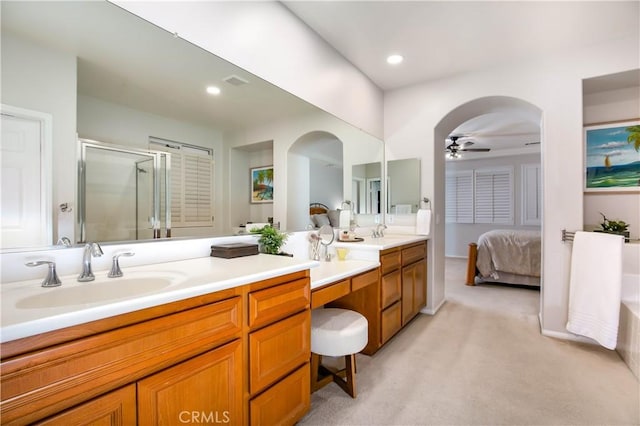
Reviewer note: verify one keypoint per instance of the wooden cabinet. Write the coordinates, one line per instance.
(414, 283)
(279, 351)
(224, 357)
(398, 296)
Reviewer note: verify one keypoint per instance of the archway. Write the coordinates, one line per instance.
(315, 170)
(452, 120)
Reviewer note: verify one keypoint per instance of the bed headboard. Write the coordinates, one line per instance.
(317, 208)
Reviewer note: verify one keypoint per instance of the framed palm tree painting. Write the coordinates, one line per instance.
(261, 184)
(612, 157)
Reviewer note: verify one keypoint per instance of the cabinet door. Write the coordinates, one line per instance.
(391, 321)
(117, 408)
(278, 349)
(204, 389)
(390, 288)
(408, 300)
(284, 403)
(420, 289)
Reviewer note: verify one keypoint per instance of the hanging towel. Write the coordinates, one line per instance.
(403, 208)
(423, 222)
(345, 218)
(594, 286)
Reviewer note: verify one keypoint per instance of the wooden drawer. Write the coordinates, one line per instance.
(329, 293)
(274, 303)
(115, 408)
(390, 288)
(285, 403)
(278, 349)
(413, 254)
(391, 319)
(363, 280)
(389, 261)
(46, 382)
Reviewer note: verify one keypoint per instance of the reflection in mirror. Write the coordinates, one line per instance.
(403, 186)
(104, 74)
(122, 193)
(366, 188)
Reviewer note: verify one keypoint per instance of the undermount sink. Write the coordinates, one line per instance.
(102, 290)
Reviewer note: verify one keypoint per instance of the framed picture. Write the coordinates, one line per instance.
(612, 157)
(261, 184)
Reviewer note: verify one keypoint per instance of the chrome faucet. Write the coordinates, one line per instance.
(378, 232)
(51, 280)
(115, 271)
(90, 249)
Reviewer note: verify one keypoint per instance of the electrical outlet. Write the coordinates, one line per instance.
(390, 218)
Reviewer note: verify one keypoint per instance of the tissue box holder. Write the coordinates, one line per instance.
(231, 250)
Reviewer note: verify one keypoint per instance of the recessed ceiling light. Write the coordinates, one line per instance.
(213, 90)
(394, 59)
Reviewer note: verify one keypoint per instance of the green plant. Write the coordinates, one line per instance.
(270, 239)
(613, 225)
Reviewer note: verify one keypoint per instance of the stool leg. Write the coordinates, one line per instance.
(315, 364)
(349, 383)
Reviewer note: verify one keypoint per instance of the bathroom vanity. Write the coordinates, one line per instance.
(223, 342)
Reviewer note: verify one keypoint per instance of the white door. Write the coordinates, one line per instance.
(24, 211)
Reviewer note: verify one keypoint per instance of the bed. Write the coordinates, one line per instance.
(505, 256)
(320, 215)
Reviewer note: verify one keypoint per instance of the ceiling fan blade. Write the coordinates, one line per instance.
(475, 149)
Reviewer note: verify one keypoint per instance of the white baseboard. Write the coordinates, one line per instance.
(567, 336)
(430, 311)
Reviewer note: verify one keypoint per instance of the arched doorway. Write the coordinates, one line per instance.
(315, 174)
(468, 112)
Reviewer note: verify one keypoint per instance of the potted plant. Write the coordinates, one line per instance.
(271, 240)
(614, 227)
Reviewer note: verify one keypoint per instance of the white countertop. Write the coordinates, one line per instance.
(29, 309)
(22, 314)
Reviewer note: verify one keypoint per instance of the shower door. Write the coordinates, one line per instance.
(119, 193)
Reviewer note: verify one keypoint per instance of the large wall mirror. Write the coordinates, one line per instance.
(403, 186)
(91, 70)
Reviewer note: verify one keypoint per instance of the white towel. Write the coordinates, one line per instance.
(594, 286)
(345, 218)
(423, 222)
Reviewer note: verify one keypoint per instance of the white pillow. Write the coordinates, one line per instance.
(320, 219)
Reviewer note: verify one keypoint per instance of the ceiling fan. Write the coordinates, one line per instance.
(454, 148)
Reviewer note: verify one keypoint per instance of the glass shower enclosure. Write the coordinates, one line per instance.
(123, 193)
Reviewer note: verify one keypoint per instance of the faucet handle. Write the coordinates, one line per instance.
(51, 280)
(115, 271)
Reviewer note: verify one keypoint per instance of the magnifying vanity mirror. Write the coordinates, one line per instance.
(327, 236)
(91, 70)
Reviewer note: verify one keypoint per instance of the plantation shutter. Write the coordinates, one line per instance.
(459, 198)
(494, 196)
(191, 183)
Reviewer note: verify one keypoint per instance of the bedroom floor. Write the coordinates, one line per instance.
(482, 361)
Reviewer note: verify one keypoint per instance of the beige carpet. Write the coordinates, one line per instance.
(481, 360)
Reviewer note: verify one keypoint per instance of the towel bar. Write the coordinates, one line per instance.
(426, 201)
(567, 236)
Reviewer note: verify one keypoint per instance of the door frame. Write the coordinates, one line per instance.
(45, 120)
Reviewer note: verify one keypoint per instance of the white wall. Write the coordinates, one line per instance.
(44, 80)
(554, 86)
(325, 185)
(601, 107)
(267, 40)
(112, 123)
(459, 235)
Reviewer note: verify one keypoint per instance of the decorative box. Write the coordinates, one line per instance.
(232, 250)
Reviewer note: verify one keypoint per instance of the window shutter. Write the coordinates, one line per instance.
(494, 196)
(191, 183)
(459, 198)
(531, 194)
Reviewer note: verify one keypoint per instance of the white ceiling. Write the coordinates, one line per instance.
(442, 38)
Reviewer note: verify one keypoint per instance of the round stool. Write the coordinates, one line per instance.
(336, 332)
